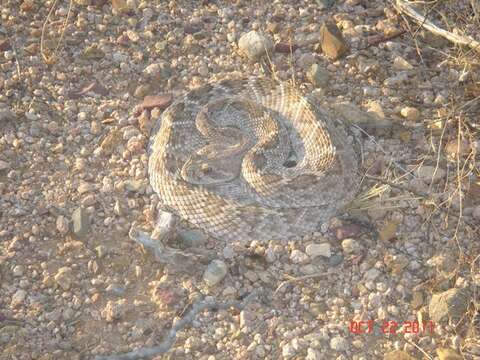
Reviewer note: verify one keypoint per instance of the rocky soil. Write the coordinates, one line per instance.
(81, 86)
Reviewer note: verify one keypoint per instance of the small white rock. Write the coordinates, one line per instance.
(298, 257)
(62, 225)
(64, 277)
(288, 351)
(18, 298)
(338, 343)
(314, 250)
(313, 354)
(203, 70)
(410, 113)
(400, 63)
(351, 246)
(215, 272)
(18, 270)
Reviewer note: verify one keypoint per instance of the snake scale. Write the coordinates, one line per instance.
(252, 159)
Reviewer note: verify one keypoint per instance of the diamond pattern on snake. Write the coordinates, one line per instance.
(251, 160)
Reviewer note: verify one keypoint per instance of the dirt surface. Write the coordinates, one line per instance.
(397, 279)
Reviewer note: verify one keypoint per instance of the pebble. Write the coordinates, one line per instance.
(270, 255)
(410, 113)
(351, 246)
(18, 298)
(114, 310)
(430, 173)
(288, 351)
(115, 289)
(318, 76)
(4, 165)
(353, 114)
(314, 250)
(18, 270)
(81, 222)
(306, 60)
(331, 41)
(192, 238)
(335, 260)
(476, 212)
(298, 257)
(228, 252)
(203, 70)
(254, 45)
(158, 71)
(372, 274)
(63, 225)
(396, 263)
(101, 251)
(64, 277)
(246, 320)
(339, 343)
(400, 63)
(251, 275)
(157, 101)
(215, 272)
(313, 354)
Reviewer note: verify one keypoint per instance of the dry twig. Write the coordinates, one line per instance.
(166, 344)
(51, 59)
(298, 279)
(404, 7)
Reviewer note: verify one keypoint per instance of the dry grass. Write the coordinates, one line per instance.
(50, 55)
(454, 144)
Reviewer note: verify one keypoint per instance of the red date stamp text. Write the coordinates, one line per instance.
(392, 327)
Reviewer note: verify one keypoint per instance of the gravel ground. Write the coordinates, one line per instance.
(74, 125)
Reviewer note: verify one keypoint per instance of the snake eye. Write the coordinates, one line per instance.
(290, 163)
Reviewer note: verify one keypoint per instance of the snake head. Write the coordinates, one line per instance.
(201, 170)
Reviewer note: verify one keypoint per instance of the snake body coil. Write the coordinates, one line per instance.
(251, 160)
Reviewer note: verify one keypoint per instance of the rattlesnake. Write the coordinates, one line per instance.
(251, 160)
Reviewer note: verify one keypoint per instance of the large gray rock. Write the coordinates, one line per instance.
(450, 304)
(254, 45)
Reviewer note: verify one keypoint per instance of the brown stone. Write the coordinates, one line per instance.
(331, 40)
(347, 231)
(285, 48)
(160, 101)
(4, 45)
(32, 48)
(27, 6)
(93, 87)
(123, 40)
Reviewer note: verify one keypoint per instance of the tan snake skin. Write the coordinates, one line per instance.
(251, 160)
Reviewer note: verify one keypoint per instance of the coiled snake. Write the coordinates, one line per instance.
(251, 160)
